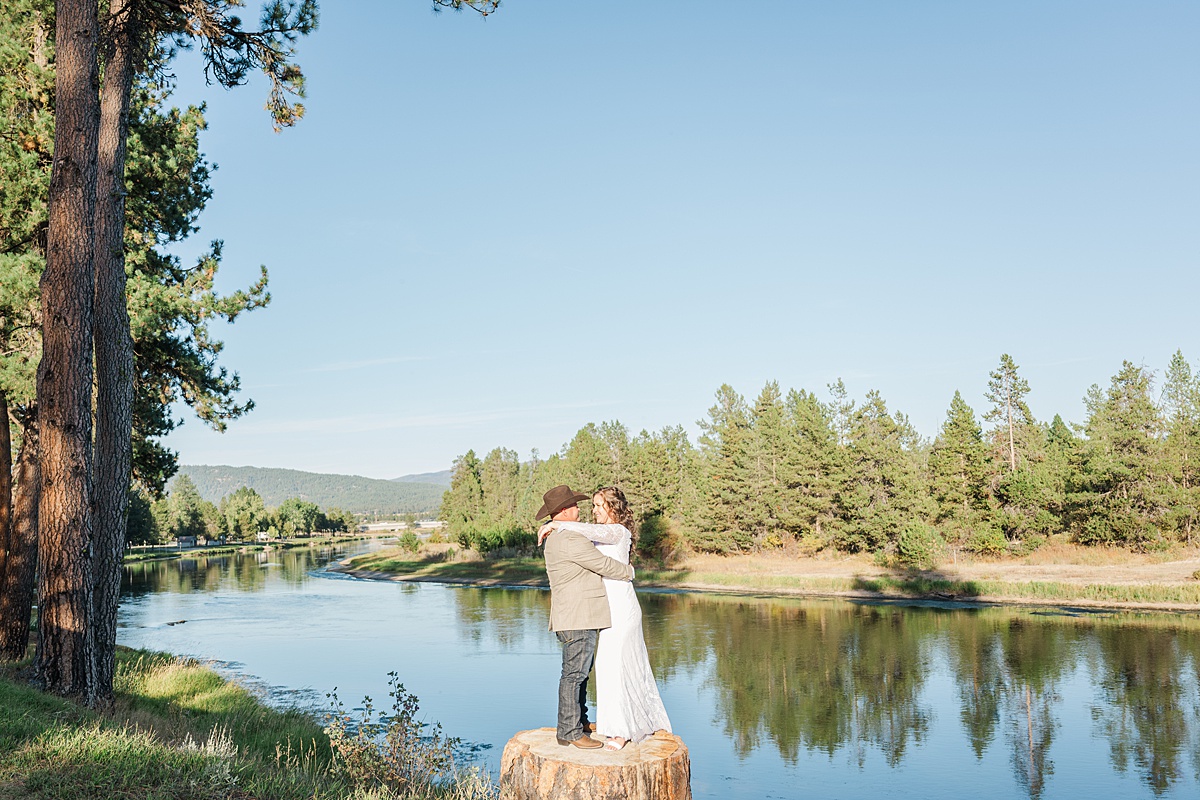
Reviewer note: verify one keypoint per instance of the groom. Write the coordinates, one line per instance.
(578, 609)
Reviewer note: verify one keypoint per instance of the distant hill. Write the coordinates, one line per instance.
(351, 492)
(440, 478)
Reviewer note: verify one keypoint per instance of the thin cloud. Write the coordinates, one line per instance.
(367, 423)
(343, 366)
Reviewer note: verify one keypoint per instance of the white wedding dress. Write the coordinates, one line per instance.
(627, 701)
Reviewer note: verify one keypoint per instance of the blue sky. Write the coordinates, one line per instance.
(491, 232)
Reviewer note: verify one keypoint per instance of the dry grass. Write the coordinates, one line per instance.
(1059, 574)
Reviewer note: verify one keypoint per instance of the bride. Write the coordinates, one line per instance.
(628, 707)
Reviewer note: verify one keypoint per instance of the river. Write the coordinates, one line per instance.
(775, 698)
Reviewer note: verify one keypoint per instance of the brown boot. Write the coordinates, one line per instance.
(584, 742)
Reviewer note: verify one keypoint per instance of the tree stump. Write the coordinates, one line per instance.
(536, 767)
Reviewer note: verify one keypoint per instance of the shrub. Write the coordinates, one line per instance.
(410, 542)
(397, 752)
(919, 546)
(987, 540)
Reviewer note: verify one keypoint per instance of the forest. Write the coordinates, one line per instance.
(239, 516)
(801, 473)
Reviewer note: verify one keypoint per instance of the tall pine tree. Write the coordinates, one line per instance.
(1119, 497)
(958, 470)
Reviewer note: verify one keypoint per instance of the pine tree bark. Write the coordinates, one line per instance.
(5, 495)
(113, 342)
(18, 580)
(65, 657)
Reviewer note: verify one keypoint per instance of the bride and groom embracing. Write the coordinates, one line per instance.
(595, 614)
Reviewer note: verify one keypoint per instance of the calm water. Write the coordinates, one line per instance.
(775, 698)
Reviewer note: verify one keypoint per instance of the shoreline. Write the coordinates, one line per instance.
(803, 587)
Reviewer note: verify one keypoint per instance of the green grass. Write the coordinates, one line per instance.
(532, 572)
(176, 731)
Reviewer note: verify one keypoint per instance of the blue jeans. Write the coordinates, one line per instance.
(578, 653)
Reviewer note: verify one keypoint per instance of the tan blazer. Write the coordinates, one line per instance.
(575, 568)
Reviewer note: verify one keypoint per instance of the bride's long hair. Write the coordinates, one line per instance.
(618, 508)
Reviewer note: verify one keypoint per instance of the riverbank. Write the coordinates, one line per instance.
(163, 554)
(179, 731)
(1061, 575)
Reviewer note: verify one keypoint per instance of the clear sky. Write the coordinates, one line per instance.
(491, 232)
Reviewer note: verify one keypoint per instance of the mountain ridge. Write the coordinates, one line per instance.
(441, 478)
(355, 493)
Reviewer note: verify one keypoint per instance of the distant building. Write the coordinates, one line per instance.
(185, 541)
(393, 525)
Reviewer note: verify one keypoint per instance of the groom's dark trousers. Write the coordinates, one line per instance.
(578, 654)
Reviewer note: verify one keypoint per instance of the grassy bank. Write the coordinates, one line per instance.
(759, 575)
(177, 730)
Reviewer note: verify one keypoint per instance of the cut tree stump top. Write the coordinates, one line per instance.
(536, 767)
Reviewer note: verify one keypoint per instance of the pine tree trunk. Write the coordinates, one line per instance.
(18, 579)
(535, 767)
(114, 345)
(5, 498)
(1012, 444)
(65, 658)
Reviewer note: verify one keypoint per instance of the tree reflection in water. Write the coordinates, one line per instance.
(842, 678)
(1151, 711)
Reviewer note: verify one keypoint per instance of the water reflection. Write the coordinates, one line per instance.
(245, 572)
(1029, 704)
(1150, 711)
(841, 678)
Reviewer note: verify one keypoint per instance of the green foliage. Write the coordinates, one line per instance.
(726, 447)
(957, 466)
(336, 520)
(1181, 412)
(297, 516)
(1007, 391)
(1119, 497)
(882, 488)
(244, 513)
(987, 540)
(919, 546)
(141, 527)
(171, 305)
(410, 542)
(185, 511)
(397, 752)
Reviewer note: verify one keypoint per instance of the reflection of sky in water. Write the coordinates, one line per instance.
(774, 698)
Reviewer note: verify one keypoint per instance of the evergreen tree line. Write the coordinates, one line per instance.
(240, 515)
(801, 473)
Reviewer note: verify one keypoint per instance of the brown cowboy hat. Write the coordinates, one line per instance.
(557, 499)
